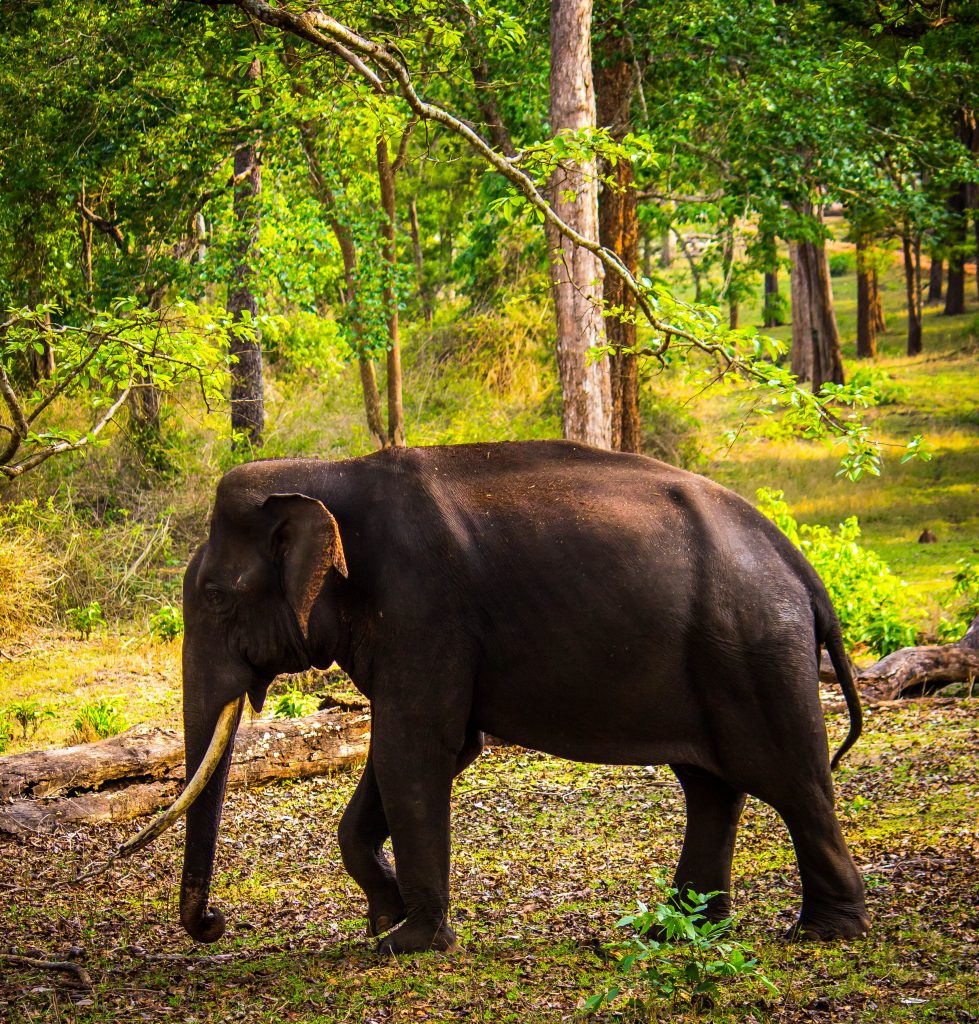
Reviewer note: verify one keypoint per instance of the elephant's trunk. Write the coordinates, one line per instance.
(202, 734)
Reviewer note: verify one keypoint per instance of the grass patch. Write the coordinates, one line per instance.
(547, 855)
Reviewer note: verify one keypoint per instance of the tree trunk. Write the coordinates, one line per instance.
(960, 203)
(424, 292)
(348, 254)
(936, 279)
(396, 420)
(576, 274)
(727, 263)
(771, 299)
(666, 252)
(694, 268)
(42, 364)
(866, 314)
(618, 225)
(955, 289)
(876, 304)
(912, 289)
(816, 355)
(247, 382)
(368, 373)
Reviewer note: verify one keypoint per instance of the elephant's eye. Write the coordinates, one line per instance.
(215, 596)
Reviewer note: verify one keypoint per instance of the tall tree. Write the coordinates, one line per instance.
(576, 272)
(247, 379)
(816, 355)
(618, 224)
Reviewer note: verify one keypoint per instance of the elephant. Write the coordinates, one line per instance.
(597, 606)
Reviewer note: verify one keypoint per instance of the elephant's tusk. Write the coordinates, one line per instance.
(223, 731)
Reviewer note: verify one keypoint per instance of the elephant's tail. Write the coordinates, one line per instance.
(832, 637)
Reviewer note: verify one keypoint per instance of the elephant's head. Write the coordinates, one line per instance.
(249, 594)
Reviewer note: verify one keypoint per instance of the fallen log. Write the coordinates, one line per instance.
(142, 770)
(916, 671)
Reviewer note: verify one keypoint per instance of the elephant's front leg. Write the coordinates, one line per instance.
(414, 762)
(363, 833)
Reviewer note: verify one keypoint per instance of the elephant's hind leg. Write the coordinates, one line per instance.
(833, 904)
(713, 811)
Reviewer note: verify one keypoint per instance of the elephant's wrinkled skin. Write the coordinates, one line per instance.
(597, 606)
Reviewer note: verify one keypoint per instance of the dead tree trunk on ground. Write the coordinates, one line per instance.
(141, 771)
(915, 671)
(918, 670)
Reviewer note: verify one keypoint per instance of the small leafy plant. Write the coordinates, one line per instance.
(29, 715)
(294, 704)
(85, 618)
(962, 601)
(686, 965)
(871, 602)
(842, 263)
(166, 623)
(6, 734)
(98, 719)
(878, 386)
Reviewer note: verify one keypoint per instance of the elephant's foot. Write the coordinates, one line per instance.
(415, 937)
(384, 912)
(829, 923)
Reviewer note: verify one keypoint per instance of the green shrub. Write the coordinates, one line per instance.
(962, 600)
(871, 602)
(86, 618)
(97, 720)
(777, 308)
(29, 715)
(294, 704)
(670, 432)
(687, 967)
(166, 623)
(881, 388)
(6, 734)
(842, 263)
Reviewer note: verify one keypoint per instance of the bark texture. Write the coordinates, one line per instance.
(143, 770)
(247, 381)
(576, 274)
(866, 312)
(618, 227)
(911, 247)
(771, 302)
(955, 287)
(936, 278)
(386, 174)
(816, 355)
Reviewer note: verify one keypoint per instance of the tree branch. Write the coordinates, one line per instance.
(43, 454)
(105, 226)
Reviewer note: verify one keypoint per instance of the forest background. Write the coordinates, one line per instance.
(233, 231)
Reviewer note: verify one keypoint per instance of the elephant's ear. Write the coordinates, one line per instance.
(306, 543)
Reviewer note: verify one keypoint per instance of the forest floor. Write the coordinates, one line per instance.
(547, 856)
